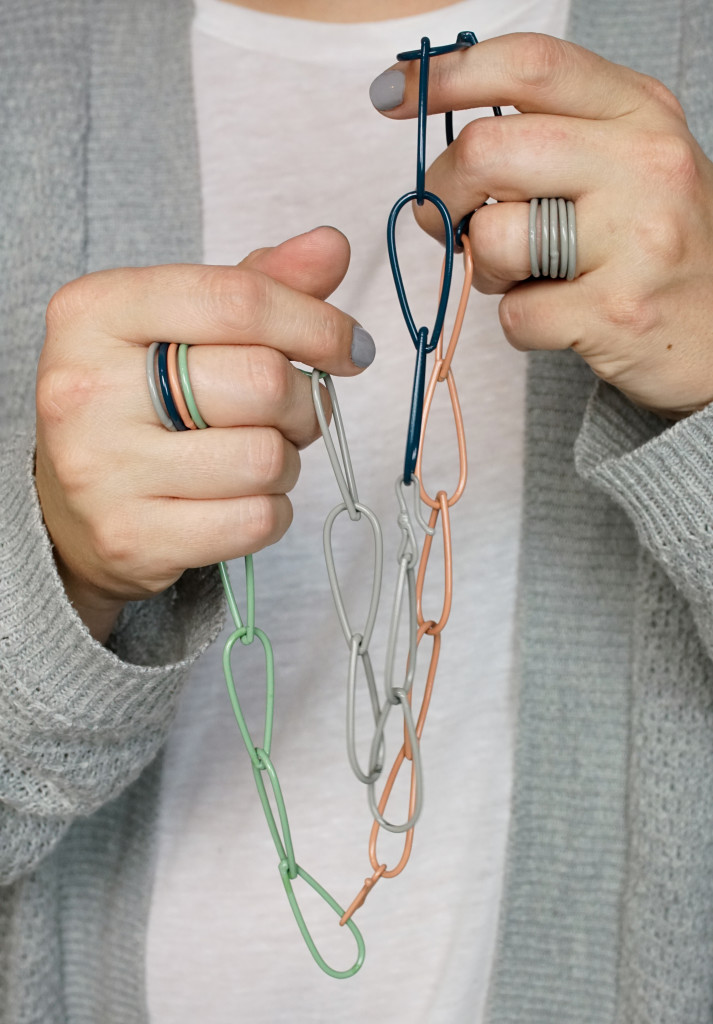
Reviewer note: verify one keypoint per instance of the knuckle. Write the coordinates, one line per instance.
(115, 542)
(541, 60)
(268, 455)
(325, 332)
(242, 296)
(255, 255)
(267, 517)
(661, 94)
(293, 469)
(476, 146)
(676, 161)
(59, 306)
(76, 300)
(513, 319)
(663, 241)
(61, 390)
(74, 467)
(270, 376)
(631, 312)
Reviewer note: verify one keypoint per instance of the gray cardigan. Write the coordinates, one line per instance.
(608, 906)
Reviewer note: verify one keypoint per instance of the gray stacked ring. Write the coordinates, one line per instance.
(553, 235)
(153, 386)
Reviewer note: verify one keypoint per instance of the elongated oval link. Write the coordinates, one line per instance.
(408, 548)
(377, 814)
(460, 438)
(406, 580)
(377, 826)
(443, 513)
(269, 692)
(343, 471)
(418, 515)
(430, 197)
(302, 924)
(468, 269)
(381, 869)
(360, 897)
(281, 837)
(421, 403)
(413, 434)
(334, 578)
(442, 372)
(423, 629)
(354, 655)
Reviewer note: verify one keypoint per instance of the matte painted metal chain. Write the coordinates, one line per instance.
(409, 585)
(259, 753)
(410, 580)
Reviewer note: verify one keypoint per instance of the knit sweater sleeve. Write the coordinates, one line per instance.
(662, 475)
(78, 721)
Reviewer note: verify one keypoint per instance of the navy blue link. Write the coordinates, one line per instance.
(171, 409)
(420, 336)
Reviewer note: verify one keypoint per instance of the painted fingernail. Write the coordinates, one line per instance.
(363, 347)
(387, 91)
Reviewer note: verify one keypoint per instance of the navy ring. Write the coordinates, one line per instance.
(166, 387)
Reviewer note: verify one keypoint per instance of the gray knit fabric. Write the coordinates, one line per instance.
(608, 909)
(89, 177)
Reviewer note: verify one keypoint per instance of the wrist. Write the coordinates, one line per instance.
(98, 611)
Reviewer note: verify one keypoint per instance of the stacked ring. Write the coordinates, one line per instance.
(554, 236)
(170, 387)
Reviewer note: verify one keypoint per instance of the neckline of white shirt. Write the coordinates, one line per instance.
(317, 42)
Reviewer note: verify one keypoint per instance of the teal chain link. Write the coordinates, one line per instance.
(262, 765)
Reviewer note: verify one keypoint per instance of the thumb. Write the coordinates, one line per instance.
(314, 263)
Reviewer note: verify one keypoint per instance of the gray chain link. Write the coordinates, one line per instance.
(358, 642)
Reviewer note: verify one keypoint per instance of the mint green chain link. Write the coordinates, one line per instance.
(262, 765)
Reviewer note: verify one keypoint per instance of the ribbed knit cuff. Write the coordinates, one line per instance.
(662, 476)
(79, 721)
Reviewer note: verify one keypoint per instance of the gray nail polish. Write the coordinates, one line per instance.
(387, 91)
(363, 347)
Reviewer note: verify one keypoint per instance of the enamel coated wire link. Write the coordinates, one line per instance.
(411, 578)
(263, 769)
(174, 402)
(358, 640)
(410, 581)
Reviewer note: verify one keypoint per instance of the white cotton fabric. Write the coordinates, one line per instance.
(289, 140)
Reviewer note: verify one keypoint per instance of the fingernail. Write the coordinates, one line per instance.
(387, 91)
(363, 347)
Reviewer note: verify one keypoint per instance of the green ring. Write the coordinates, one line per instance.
(187, 389)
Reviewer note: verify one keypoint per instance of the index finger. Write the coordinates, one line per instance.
(214, 305)
(533, 72)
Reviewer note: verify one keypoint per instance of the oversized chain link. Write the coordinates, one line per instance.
(245, 634)
(263, 767)
(409, 589)
(410, 580)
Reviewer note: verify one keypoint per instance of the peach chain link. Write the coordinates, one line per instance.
(440, 506)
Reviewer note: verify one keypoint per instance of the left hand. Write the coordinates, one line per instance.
(616, 142)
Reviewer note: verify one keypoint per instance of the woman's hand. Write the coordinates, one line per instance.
(130, 505)
(616, 142)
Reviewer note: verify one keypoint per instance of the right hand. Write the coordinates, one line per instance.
(130, 505)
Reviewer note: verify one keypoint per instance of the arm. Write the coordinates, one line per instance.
(124, 506)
